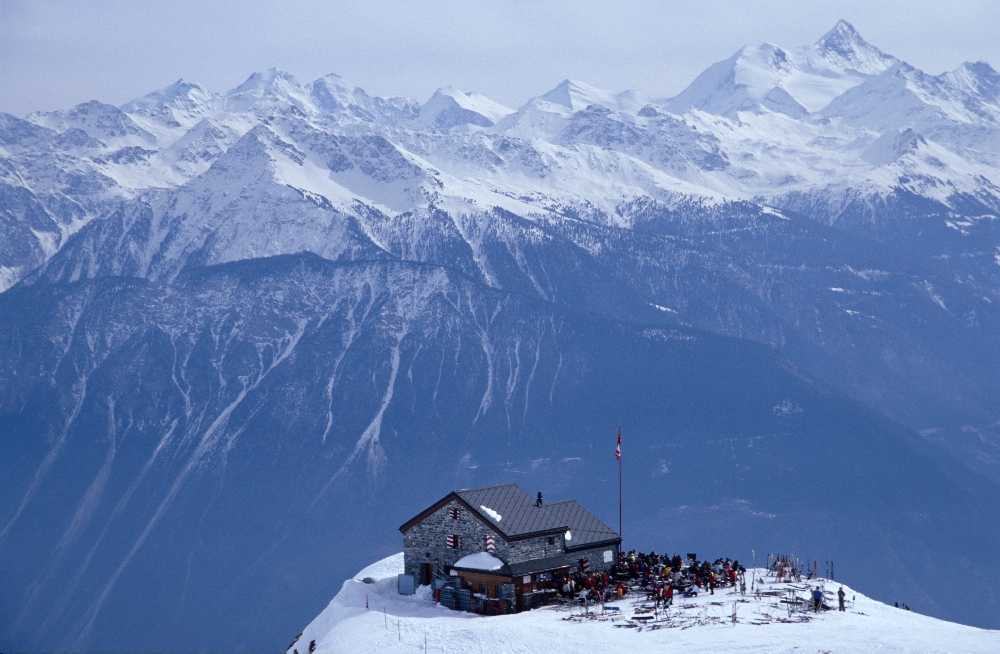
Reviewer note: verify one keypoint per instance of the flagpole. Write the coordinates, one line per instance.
(620, 550)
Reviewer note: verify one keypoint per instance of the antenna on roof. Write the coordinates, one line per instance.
(538, 502)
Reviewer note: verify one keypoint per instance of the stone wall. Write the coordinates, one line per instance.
(596, 556)
(425, 542)
(535, 548)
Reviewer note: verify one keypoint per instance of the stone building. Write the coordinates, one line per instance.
(531, 540)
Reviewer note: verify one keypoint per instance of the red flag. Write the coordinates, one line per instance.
(618, 450)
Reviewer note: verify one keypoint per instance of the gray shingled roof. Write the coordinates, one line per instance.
(519, 516)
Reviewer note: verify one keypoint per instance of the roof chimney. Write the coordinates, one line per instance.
(539, 501)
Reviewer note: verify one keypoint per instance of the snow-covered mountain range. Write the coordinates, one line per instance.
(833, 130)
(230, 320)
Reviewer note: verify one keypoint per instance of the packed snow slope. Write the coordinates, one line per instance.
(396, 623)
(236, 329)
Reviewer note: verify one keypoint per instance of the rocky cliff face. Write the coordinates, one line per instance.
(246, 336)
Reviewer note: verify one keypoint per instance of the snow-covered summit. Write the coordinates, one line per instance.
(450, 107)
(103, 122)
(547, 115)
(332, 95)
(794, 82)
(171, 111)
(269, 89)
(843, 47)
(373, 617)
(179, 95)
(576, 95)
(978, 78)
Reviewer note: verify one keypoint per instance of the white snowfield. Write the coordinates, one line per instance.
(397, 623)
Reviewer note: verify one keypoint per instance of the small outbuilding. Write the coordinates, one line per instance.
(498, 539)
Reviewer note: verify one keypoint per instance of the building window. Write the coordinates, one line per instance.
(453, 541)
(552, 540)
(454, 512)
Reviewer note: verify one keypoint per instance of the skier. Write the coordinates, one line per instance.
(817, 599)
(840, 597)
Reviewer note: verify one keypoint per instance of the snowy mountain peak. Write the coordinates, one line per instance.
(750, 80)
(793, 82)
(179, 95)
(977, 78)
(449, 107)
(892, 145)
(842, 46)
(576, 95)
(274, 85)
(101, 121)
(332, 94)
(264, 82)
(841, 35)
(570, 94)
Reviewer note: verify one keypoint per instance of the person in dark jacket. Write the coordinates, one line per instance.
(840, 597)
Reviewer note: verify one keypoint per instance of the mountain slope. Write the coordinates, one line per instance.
(164, 402)
(239, 327)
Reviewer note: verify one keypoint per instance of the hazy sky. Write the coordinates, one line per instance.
(57, 53)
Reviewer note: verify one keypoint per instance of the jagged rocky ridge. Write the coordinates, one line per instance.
(242, 326)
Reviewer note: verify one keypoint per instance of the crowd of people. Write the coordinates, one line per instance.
(659, 576)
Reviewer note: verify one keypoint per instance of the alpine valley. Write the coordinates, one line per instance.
(244, 337)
